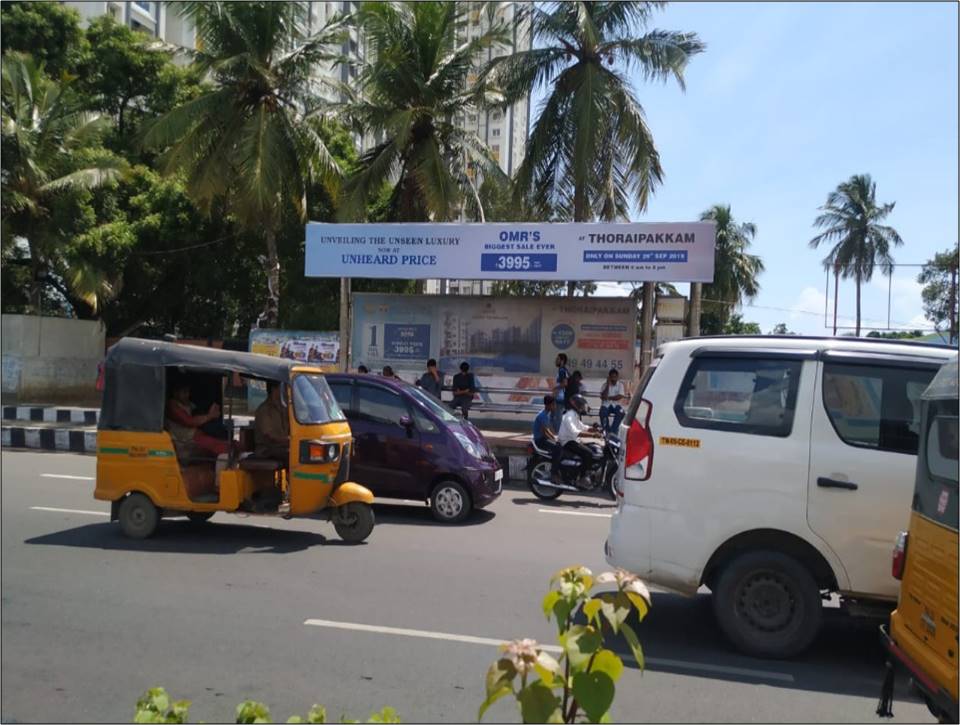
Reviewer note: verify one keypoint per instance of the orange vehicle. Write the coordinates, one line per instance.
(923, 639)
(154, 462)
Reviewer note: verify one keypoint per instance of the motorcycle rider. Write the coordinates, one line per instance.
(544, 437)
(571, 428)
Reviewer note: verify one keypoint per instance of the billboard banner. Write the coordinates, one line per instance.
(496, 335)
(321, 349)
(669, 252)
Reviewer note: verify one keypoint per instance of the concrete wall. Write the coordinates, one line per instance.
(50, 359)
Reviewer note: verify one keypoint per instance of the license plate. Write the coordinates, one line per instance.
(498, 475)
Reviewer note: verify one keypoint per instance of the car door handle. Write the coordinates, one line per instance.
(833, 483)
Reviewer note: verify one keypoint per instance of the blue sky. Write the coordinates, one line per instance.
(790, 99)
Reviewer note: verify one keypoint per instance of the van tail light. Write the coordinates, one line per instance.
(529, 449)
(900, 555)
(638, 458)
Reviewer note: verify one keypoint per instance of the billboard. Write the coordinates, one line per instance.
(320, 349)
(496, 335)
(670, 252)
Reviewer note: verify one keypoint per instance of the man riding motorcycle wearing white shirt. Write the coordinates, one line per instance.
(571, 428)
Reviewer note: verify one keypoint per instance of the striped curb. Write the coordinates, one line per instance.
(51, 414)
(49, 439)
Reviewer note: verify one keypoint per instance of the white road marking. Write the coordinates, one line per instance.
(574, 513)
(68, 476)
(470, 639)
(69, 511)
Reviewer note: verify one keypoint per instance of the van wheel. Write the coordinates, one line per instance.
(138, 516)
(353, 521)
(199, 517)
(767, 604)
(541, 470)
(450, 502)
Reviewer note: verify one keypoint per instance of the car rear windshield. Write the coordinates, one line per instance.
(936, 493)
(313, 402)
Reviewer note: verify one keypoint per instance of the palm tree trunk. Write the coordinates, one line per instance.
(270, 316)
(579, 215)
(836, 297)
(344, 323)
(858, 305)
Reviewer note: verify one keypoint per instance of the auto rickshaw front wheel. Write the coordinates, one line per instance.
(138, 516)
(353, 521)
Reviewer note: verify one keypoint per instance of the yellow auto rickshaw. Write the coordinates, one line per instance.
(923, 640)
(148, 469)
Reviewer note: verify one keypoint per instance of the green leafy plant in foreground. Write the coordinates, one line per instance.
(581, 683)
(154, 706)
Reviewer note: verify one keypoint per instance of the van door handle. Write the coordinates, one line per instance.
(832, 483)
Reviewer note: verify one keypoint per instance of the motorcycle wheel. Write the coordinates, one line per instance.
(609, 480)
(542, 470)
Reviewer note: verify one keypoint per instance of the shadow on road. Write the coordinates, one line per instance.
(185, 537)
(389, 514)
(568, 503)
(680, 635)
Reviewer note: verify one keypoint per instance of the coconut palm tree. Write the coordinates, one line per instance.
(735, 269)
(850, 220)
(417, 79)
(246, 140)
(50, 148)
(590, 151)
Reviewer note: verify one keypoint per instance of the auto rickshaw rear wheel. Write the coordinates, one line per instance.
(138, 516)
(353, 521)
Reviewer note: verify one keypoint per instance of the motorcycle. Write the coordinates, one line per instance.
(594, 476)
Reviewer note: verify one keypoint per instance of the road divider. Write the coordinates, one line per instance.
(703, 667)
(51, 509)
(575, 513)
(67, 476)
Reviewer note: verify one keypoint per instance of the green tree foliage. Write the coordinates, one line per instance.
(245, 141)
(851, 223)
(896, 335)
(52, 158)
(735, 269)
(940, 295)
(781, 329)
(130, 76)
(412, 86)
(49, 31)
(590, 152)
(735, 325)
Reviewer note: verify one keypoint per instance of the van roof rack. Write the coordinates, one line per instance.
(873, 340)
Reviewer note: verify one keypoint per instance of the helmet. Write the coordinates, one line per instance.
(579, 403)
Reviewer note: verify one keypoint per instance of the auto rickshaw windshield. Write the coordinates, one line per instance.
(313, 401)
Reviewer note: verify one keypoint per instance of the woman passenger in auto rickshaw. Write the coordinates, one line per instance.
(185, 427)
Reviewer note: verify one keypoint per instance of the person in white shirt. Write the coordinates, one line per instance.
(612, 395)
(571, 428)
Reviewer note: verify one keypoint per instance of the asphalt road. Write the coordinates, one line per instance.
(221, 612)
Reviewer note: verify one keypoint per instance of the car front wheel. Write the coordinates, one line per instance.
(450, 502)
(767, 604)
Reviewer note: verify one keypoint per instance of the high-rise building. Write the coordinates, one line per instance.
(149, 16)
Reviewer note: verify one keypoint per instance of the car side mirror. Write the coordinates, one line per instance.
(406, 421)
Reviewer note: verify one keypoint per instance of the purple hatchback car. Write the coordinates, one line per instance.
(408, 445)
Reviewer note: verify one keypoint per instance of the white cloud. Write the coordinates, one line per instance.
(810, 302)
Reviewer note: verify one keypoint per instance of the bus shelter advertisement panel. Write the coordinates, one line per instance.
(669, 252)
(496, 335)
(317, 349)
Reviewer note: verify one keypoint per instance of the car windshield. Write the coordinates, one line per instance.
(313, 402)
(432, 405)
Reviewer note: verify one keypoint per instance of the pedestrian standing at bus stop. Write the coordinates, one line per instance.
(464, 388)
(559, 389)
(432, 380)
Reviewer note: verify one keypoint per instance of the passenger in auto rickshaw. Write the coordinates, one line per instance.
(185, 427)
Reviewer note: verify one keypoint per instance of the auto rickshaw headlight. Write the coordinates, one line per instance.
(319, 452)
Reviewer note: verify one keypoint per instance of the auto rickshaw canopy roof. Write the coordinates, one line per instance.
(946, 384)
(135, 377)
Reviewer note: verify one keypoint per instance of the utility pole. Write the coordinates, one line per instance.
(345, 321)
(953, 305)
(696, 295)
(646, 326)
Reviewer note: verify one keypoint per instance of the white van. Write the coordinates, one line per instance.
(773, 470)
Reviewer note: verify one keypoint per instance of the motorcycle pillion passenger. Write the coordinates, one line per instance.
(571, 428)
(544, 436)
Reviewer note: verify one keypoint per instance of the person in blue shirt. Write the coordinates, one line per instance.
(544, 435)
